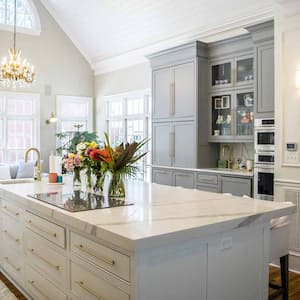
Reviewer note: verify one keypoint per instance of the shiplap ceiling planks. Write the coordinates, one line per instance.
(113, 33)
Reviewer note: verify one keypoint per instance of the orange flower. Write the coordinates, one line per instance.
(101, 155)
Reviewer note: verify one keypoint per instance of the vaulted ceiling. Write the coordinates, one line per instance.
(116, 33)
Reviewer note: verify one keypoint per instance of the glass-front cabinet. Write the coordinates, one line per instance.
(231, 116)
(232, 72)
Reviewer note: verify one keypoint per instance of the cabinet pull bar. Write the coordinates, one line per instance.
(32, 282)
(88, 251)
(172, 98)
(11, 211)
(81, 284)
(172, 144)
(18, 269)
(42, 229)
(43, 259)
(11, 236)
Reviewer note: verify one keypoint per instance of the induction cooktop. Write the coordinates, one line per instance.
(79, 200)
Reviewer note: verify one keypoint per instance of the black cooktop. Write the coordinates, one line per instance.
(79, 200)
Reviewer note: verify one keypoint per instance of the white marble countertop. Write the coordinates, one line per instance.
(159, 215)
(234, 172)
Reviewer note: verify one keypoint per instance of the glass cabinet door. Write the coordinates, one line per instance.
(244, 70)
(244, 113)
(221, 115)
(221, 74)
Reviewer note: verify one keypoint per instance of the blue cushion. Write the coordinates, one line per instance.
(4, 172)
(25, 169)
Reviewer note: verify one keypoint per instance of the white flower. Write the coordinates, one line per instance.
(80, 147)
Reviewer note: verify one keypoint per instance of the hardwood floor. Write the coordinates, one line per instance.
(12, 288)
(294, 284)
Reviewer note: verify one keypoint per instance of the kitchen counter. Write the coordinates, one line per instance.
(158, 214)
(172, 244)
(234, 172)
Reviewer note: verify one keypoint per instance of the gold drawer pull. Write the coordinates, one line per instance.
(44, 260)
(11, 236)
(90, 252)
(81, 284)
(38, 227)
(11, 211)
(32, 282)
(18, 269)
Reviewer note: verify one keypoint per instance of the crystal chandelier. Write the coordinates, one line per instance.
(14, 73)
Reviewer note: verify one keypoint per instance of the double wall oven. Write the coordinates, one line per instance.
(264, 131)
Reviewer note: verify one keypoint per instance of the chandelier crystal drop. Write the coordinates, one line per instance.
(15, 72)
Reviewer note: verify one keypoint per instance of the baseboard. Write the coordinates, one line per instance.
(294, 262)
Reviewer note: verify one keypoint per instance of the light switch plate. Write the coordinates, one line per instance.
(292, 157)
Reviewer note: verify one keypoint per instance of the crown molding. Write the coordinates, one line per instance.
(230, 29)
(66, 30)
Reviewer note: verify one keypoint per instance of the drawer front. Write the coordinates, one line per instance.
(40, 288)
(89, 286)
(102, 256)
(11, 232)
(12, 210)
(13, 263)
(207, 188)
(45, 258)
(48, 230)
(207, 178)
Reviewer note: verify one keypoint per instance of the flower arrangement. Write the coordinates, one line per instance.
(98, 160)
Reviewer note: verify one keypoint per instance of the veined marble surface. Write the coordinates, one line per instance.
(159, 215)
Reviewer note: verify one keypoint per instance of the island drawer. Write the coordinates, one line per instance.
(46, 258)
(12, 233)
(207, 178)
(100, 255)
(89, 285)
(13, 263)
(12, 210)
(40, 288)
(46, 229)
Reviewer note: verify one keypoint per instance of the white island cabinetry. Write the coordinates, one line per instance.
(172, 244)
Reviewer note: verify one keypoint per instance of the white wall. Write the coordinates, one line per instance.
(137, 77)
(287, 112)
(58, 65)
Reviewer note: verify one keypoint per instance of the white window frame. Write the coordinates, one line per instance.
(60, 99)
(36, 30)
(35, 117)
(146, 116)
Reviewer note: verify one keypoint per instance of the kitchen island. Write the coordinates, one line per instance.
(171, 244)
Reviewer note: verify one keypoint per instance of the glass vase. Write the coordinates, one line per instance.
(117, 187)
(99, 182)
(76, 178)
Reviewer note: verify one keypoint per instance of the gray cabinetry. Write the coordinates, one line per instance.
(263, 38)
(174, 92)
(183, 179)
(236, 186)
(174, 144)
(162, 176)
(265, 79)
(179, 89)
(207, 182)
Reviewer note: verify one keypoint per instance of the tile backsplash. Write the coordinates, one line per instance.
(243, 151)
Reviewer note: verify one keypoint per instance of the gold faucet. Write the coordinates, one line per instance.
(38, 162)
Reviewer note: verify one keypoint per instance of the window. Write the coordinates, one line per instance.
(19, 125)
(27, 16)
(74, 113)
(128, 120)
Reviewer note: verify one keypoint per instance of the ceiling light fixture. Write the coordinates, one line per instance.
(16, 73)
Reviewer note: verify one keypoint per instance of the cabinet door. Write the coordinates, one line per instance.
(184, 151)
(265, 79)
(236, 186)
(162, 92)
(161, 139)
(161, 176)
(184, 179)
(184, 91)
